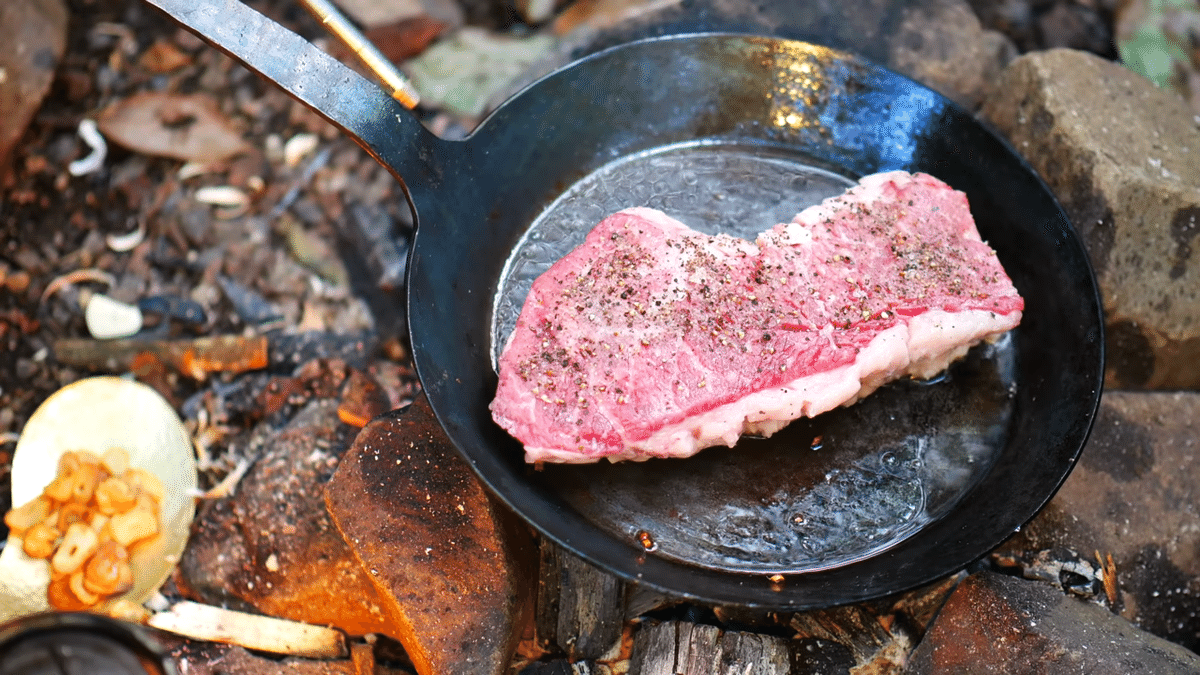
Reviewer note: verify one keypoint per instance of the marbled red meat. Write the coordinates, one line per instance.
(654, 340)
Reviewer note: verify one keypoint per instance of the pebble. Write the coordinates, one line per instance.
(108, 318)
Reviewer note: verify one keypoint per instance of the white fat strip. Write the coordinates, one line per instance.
(937, 338)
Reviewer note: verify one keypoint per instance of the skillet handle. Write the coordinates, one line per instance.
(376, 121)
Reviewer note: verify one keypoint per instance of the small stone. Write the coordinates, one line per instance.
(1123, 157)
(26, 368)
(535, 11)
(998, 624)
(1077, 27)
(107, 318)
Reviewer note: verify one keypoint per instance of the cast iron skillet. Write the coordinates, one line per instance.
(915, 482)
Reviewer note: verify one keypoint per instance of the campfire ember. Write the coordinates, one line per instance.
(169, 217)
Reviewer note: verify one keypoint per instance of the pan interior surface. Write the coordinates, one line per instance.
(823, 492)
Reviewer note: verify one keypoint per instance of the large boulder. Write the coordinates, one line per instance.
(1123, 157)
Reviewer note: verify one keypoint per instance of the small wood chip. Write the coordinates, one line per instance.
(222, 195)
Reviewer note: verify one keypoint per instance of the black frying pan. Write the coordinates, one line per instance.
(733, 133)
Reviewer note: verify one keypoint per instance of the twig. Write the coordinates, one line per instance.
(252, 631)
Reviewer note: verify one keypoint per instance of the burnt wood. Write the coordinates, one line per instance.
(580, 608)
(682, 648)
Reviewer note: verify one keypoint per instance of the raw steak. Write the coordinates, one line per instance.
(654, 340)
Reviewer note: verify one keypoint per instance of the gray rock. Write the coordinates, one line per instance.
(1124, 159)
(1135, 495)
(942, 44)
(998, 624)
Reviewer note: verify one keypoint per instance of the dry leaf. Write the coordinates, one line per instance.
(163, 57)
(189, 127)
(405, 39)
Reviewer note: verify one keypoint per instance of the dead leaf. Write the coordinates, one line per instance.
(35, 36)
(163, 57)
(468, 69)
(406, 38)
(189, 127)
(603, 14)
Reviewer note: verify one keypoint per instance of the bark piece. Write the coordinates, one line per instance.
(998, 624)
(272, 546)
(362, 399)
(452, 566)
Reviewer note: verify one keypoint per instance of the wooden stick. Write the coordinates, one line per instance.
(252, 631)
